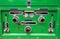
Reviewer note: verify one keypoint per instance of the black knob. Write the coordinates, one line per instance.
(42, 20)
(28, 29)
(14, 20)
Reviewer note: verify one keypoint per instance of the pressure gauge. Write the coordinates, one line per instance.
(31, 15)
(25, 14)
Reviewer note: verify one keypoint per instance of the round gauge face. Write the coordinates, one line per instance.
(25, 15)
(31, 15)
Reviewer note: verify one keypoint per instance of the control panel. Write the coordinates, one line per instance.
(28, 19)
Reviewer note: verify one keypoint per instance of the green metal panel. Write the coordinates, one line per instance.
(58, 18)
(39, 30)
(24, 2)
